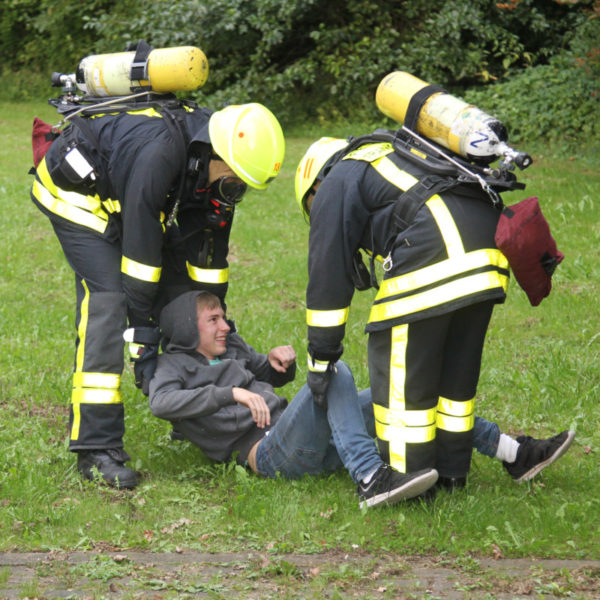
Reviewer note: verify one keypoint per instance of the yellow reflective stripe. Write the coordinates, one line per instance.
(112, 206)
(408, 435)
(89, 203)
(397, 452)
(446, 225)
(442, 270)
(327, 318)
(146, 112)
(398, 367)
(441, 294)
(454, 415)
(455, 424)
(81, 330)
(370, 152)
(396, 176)
(96, 380)
(140, 271)
(207, 275)
(404, 418)
(80, 354)
(96, 219)
(319, 366)
(456, 408)
(396, 399)
(95, 396)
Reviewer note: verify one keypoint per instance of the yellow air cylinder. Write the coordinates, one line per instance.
(167, 69)
(443, 118)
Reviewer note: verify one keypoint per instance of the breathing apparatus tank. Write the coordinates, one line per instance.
(445, 119)
(159, 70)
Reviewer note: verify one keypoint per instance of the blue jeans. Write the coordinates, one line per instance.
(486, 436)
(309, 440)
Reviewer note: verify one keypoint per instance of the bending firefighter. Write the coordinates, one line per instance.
(442, 276)
(142, 202)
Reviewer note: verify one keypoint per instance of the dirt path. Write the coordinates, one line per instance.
(261, 576)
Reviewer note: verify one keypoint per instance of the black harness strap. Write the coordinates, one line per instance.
(416, 104)
(411, 201)
(139, 66)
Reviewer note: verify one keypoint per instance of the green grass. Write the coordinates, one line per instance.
(540, 375)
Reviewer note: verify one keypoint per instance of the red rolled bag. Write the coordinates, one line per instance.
(42, 137)
(523, 236)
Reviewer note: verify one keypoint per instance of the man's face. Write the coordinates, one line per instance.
(213, 330)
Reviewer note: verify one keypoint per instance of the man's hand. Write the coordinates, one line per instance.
(257, 405)
(281, 358)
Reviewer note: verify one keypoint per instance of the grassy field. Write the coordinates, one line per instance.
(540, 375)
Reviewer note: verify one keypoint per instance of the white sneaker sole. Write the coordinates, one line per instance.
(557, 454)
(410, 489)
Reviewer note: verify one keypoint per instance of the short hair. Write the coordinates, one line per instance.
(208, 300)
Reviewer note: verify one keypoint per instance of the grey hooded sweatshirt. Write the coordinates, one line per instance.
(197, 396)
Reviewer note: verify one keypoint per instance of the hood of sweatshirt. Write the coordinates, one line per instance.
(179, 323)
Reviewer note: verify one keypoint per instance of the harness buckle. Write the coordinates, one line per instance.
(388, 263)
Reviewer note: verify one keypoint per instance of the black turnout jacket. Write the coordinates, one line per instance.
(446, 258)
(139, 162)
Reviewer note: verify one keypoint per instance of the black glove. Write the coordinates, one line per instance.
(318, 382)
(143, 352)
(144, 366)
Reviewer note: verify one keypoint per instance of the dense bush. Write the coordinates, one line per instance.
(558, 102)
(319, 60)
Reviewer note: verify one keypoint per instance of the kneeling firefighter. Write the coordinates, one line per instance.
(433, 227)
(142, 199)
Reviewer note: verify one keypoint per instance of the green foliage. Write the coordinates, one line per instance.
(306, 59)
(558, 102)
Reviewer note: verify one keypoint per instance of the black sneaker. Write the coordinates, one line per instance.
(534, 455)
(388, 486)
(108, 464)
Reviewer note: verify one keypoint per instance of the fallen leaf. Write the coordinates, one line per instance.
(496, 552)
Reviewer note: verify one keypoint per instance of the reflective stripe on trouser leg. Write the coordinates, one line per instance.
(455, 420)
(458, 387)
(96, 415)
(405, 429)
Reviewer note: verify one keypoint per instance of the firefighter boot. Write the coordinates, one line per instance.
(107, 464)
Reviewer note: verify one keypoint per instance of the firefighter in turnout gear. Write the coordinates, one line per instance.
(142, 199)
(433, 231)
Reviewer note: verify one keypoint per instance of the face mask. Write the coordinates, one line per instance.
(227, 191)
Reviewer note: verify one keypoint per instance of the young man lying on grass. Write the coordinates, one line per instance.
(218, 392)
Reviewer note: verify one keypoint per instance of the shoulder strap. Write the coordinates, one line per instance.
(408, 204)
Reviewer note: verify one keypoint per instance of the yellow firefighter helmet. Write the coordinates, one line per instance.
(311, 164)
(248, 137)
